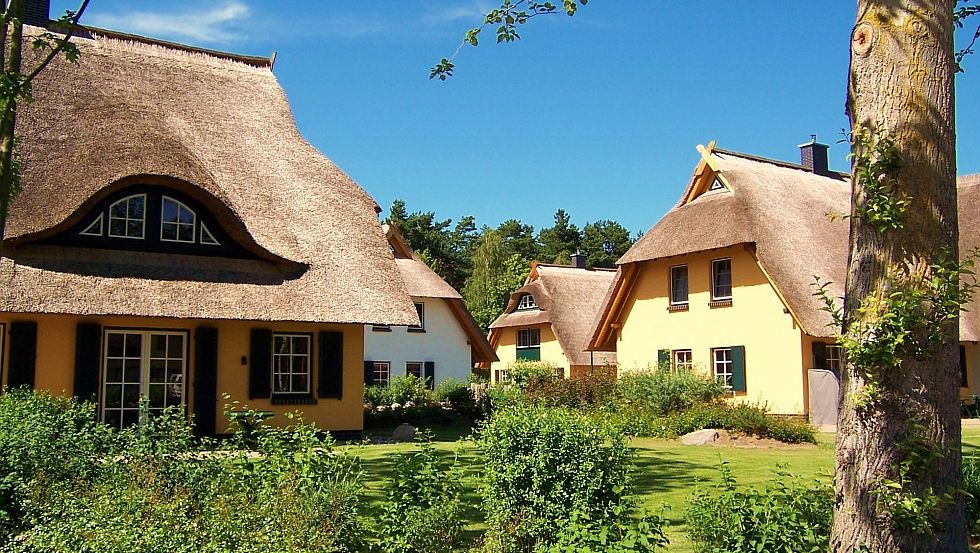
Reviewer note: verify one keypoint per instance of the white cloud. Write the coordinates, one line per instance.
(217, 24)
(472, 11)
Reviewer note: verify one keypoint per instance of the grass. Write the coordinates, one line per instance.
(665, 474)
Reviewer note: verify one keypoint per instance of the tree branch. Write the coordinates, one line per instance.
(61, 43)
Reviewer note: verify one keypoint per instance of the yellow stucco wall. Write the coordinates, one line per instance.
(551, 351)
(56, 354)
(774, 345)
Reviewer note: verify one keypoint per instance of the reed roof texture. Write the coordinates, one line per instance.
(568, 298)
(793, 221)
(220, 128)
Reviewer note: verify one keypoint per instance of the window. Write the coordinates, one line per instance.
(177, 222)
(721, 279)
(138, 364)
(716, 185)
(382, 373)
(683, 360)
(420, 309)
(529, 344)
(381, 328)
(95, 229)
(501, 376)
(678, 285)
(835, 357)
(127, 217)
(414, 368)
(526, 302)
(723, 365)
(207, 238)
(291, 364)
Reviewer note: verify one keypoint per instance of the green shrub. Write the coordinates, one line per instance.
(621, 535)
(971, 485)
(788, 515)
(458, 395)
(540, 466)
(661, 391)
(498, 398)
(586, 393)
(524, 372)
(422, 510)
(43, 439)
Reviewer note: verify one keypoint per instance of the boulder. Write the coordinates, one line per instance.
(404, 433)
(701, 437)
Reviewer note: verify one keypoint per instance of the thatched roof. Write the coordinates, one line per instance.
(790, 217)
(568, 298)
(968, 205)
(423, 282)
(219, 128)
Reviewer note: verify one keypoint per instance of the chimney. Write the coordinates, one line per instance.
(578, 260)
(37, 12)
(813, 156)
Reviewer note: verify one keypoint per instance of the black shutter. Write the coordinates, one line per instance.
(88, 361)
(430, 373)
(819, 355)
(23, 354)
(205, 380)
(368, 373)
(964, 381)
(260, 364)
(738, 369)
(331, 365)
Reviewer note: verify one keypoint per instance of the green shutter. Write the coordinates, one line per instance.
(331, 375)
(663, 358)
(738, 368)
(529, 354)
(88, 361)
(819, 355)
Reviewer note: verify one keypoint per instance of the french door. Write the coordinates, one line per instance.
(142, 363)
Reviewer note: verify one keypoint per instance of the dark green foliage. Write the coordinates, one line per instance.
(561, 240)
(446, 248)
(585, 393)
(495, 276)
(621, 535)
(604, 242)
(662, 390)
(789, 515)
(542, 465)
(971, 485)
(526, 373)
(739, 418)
(458, 396)
(518, 239)
(422, 510)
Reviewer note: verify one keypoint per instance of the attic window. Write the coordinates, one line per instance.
(95, 229)
(177, 222)
(207, 238)
(716, 185)
(526, 302)
(127, 217)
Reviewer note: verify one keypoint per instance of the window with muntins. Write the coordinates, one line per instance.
(683, 360)
(721, 279)
(137, 364)
(291, 364)
(526, 302)
(529, 344)
(722, 360)
(382, 373)
(835, 357)
(127, 217)
(178, 222)
(413, 368)
(678, 285)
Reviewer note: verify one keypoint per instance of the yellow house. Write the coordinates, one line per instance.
(724, 282)
(550, 319)
(177, 239)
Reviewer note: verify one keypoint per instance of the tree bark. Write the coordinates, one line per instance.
(901, 87)
(8, 110)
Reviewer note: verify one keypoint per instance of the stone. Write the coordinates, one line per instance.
(404, 433)
(701, 437)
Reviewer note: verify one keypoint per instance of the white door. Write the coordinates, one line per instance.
(139, 363)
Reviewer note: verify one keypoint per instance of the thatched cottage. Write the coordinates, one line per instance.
(550, 319)
(444, 344)
(725, 281)
(177, 238)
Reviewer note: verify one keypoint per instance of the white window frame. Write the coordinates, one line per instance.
(722, 366)
(686, 285)
(420, 309)
(101, 222)
(835, 357)
(212, 241)
(502, 376)
(292, 356)
(714, 275)
(381, 367)
(526, 302)
(145, 362)
(178, 224)
(127, 219)
(683, 359)
(529, 343)
(421, 371)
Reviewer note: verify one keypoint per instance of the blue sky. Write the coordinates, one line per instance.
(598, 114)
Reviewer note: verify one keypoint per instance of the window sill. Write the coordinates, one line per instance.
(678, 307)
(381, 328)
(720, 303)
(293, 399)
(416, 330)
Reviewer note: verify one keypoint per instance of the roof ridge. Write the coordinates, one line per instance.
(560, 266)
(776, 162)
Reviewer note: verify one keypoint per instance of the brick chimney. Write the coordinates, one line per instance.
(578, 260)
(37, 12)
(813, 156)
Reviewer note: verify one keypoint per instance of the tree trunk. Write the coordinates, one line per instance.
(8, 111)
(901, 87)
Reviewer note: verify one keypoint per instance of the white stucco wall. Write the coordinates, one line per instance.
(443, 343)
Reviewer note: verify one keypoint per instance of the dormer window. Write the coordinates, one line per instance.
(127, 217)
(526, 302)
(177, 222)
(94, 229)
(716, 185)
(207, 238)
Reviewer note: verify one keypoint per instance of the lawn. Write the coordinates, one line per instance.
(666, 471)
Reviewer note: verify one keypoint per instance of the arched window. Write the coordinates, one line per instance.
(177, 221)
(127, 217)
(527, 302)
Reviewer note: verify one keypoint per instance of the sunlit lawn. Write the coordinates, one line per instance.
(666, 471)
